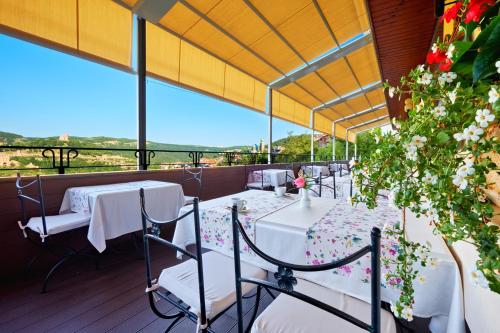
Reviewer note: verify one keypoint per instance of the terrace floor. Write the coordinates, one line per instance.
(111, 299)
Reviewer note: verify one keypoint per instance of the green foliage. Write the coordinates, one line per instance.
(436, 163)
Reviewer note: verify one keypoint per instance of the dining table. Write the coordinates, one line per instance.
(316, 170)
(329, 230)
(274, 177)
(114, 209)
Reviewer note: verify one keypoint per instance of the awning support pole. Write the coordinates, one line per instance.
(312, 136)
(347, 145)
(333, 141)
(270, 134)
(141, 93)
(356, 147)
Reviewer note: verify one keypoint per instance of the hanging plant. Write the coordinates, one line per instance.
(443, 162)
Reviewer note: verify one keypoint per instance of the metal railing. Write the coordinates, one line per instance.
(61, 159)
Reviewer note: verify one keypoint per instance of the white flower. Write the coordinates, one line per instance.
(479, 279)
(483, 117)
(391, 92)
(434, 48)
(497, 64)
(394, 309)
(429, 178)
(418, 141)
(459, 136)
(421, 279)
(450, 76)
(421, 68)
(432, 263)
(472, 133)
(460, 182)
(397, 136)
(377, 138)
(425, 79)
(433, 214)
(411, 155)
(407, 314)
(439, 111)
(450, 51)
(465, 170)
(452, 95)
(493, 95)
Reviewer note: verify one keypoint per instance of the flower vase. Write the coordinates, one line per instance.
(305, 201)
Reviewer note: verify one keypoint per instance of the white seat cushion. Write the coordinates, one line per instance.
(218, 272)
(59, 223)
(258, 185)
(291, 315)
(188, 200)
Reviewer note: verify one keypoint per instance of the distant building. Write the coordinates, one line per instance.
(322, 140)
(64, 137)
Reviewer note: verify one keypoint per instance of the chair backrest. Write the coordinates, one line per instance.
(256, 176)
(320, 181)
(286, 280)
(153, 234)
(38, 199)
(194, 175)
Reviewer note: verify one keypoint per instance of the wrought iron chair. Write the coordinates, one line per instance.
(201, 288)
(257, 182)
(322, 189)
(192, 175)
(307, 307)
(47, 226)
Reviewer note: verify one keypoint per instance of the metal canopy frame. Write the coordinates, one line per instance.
(153, 10)
(338, 53)
(366, 123)
(350, 95)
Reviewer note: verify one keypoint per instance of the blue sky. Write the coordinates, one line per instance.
(46, 93)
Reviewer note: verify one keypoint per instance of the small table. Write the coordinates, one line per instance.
(275, 177)
(316, 170)
(114, 209)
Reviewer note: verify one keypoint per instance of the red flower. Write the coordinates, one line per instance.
(445, 66)
(436, 57)
(452, 12)
(476, 9)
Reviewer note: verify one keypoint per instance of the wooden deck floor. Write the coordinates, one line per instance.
(83, 299)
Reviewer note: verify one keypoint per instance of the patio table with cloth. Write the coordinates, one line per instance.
(114, 209)
(275, 177)
(330, 230)
(316, 170)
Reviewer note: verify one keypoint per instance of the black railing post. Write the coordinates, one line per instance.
(61, 163)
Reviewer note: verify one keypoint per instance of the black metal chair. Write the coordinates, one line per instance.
(201, 288)
(192, 175)
(301, 302)
(321, 186)
(47, 226)
(257, 182)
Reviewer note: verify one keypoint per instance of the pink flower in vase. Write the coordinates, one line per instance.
(300, 182)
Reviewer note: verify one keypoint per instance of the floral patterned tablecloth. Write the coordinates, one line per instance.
(346, 229)
(216, 224)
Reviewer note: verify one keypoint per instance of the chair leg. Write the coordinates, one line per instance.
(255, 309)
(53, 270)
(172, 324)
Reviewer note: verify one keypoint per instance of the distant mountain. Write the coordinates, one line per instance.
(13, 139)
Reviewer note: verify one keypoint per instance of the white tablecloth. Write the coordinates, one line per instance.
(275, 177)
(115, 208)
(316, 170)
(440, 297)
(342, 186)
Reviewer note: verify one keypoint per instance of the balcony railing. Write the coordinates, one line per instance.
(61, 159)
